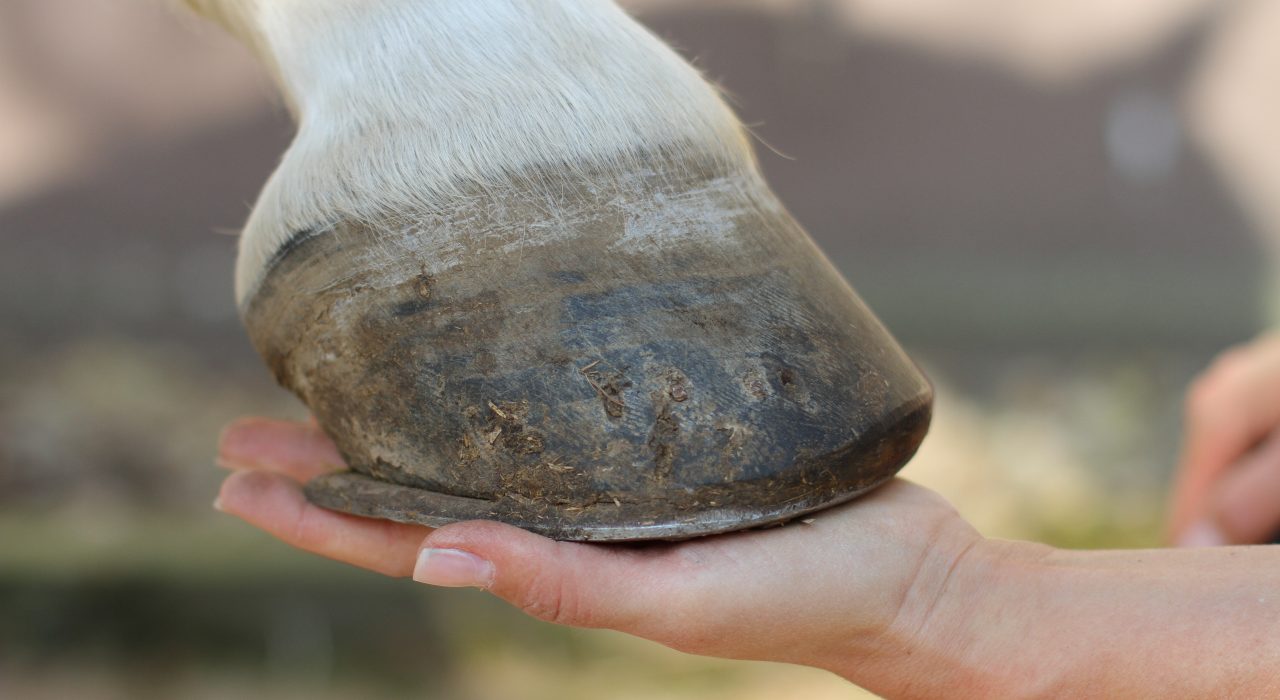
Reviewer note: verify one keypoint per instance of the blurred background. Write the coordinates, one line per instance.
(1064, 209)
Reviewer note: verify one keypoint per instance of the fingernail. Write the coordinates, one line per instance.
(453, 568)
(217, 504)
(1202, 533)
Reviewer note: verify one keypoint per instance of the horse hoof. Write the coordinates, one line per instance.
(604, 357)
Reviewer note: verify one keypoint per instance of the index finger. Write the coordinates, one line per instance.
(275, 504)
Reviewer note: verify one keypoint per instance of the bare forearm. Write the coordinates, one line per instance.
(1019, 620)
(1186, 623)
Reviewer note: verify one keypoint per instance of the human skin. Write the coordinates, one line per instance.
(895, 591)
(1228, 486)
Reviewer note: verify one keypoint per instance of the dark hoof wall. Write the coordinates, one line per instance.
(673, 358)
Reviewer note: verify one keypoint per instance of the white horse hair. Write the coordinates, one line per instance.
(401, 103)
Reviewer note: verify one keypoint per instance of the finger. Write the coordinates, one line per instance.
(583, 585)
(275, 504)
(1246, 502)
(1228, 411)
(300, 451)
(739, 595)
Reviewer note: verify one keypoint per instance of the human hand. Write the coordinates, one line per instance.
(858, 590)
(1228, 483)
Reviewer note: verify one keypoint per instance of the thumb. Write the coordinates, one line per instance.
(1246, 503)
(581, 585)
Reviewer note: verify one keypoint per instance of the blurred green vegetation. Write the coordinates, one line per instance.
(206, 607)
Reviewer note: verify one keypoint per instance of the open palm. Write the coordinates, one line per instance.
(853, 580)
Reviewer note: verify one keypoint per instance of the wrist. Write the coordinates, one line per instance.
(960, 630)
